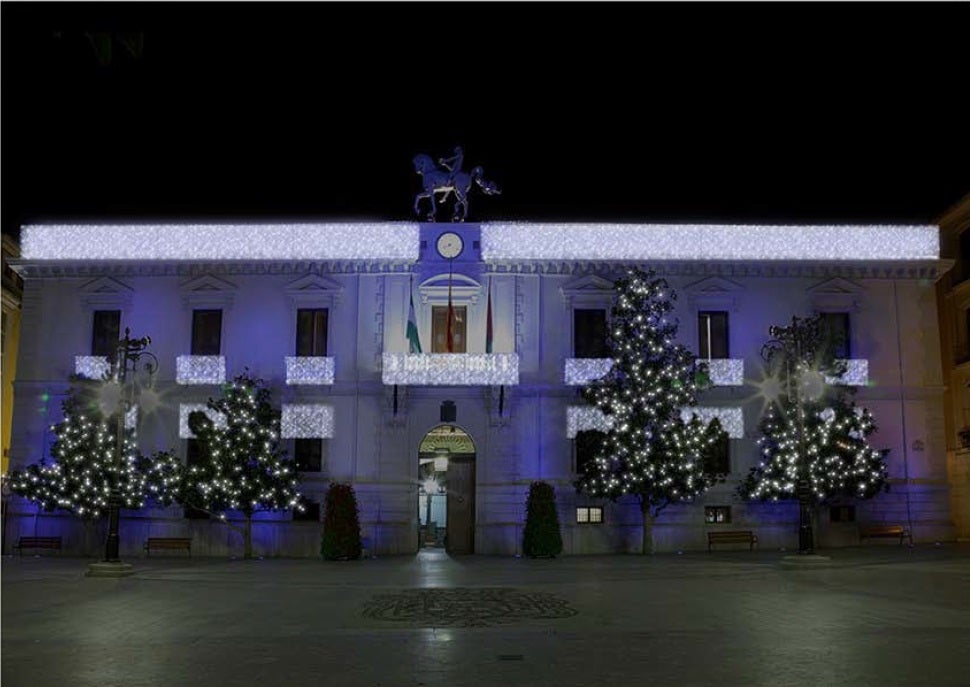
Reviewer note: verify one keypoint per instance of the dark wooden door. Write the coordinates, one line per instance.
(461, 504)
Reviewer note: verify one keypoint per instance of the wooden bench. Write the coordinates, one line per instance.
(880, 531)
(732, 537)
(38, 543)
(170, 543)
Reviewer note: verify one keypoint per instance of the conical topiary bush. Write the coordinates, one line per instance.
(341, 526)
(542, 536)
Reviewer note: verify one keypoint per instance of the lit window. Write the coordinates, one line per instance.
(439, 329)
(589, 515)
(717, 514)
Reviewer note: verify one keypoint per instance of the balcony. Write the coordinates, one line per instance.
(451, 369)
(581, 371)
(307, 370)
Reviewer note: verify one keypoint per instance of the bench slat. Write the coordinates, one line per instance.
(168, 543)
(732, 537)
(38, 543)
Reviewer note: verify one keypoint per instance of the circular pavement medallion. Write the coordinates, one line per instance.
(466, 606)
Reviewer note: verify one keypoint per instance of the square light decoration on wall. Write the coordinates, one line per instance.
(200, 369)
(856, 373)
(218, 419)
(725, 371)
(305, 370)
(582, 418)
(92, 366)
(581, 371)
(306, 421)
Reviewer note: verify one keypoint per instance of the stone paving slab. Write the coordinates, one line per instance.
(875, 616)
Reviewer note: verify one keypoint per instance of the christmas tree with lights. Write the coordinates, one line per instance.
(814, 438)
(650, 451)
(241, 465)
(85, 462)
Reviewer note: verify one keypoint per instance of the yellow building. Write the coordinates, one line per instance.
(953, 293)
(10, 337)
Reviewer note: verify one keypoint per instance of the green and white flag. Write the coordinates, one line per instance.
(412, 331)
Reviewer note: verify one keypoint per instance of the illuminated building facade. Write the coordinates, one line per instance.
(442, 446)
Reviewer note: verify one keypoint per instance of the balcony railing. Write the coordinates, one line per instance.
(306, 421)
(451, 369)
(580, 371)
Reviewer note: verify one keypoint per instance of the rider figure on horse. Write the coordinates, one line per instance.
(453, 163)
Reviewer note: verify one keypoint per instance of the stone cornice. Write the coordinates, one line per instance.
(916, 269)
(34, 269)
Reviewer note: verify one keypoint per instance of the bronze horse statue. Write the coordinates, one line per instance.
(448, 178)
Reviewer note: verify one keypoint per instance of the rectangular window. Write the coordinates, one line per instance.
(311, 332)
(439, 329)
(311, 512)
(308, 454)
(589, 515)
(712, 330)
(589, 333)
(107, 332)
(206, 332)
(193, 456)
(835, 327)
(719, 461)
(717, 514)
(842, 514)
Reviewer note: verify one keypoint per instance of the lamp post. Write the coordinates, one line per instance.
(130, 352)
(795, 348)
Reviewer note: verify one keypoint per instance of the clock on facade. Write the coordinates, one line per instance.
(449, 245)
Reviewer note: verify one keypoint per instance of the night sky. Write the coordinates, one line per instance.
(826, 112)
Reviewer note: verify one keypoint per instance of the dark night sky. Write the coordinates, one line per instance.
(783, 113)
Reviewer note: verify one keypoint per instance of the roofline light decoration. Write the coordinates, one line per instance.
(305, 370)
(185, 409)
(451, 369)
(200, 369)
(333, 241)
(308, 421)
(577, 241)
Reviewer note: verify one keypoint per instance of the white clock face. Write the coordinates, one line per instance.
(449, 245)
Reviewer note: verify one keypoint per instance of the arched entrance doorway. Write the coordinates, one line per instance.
(446, 490)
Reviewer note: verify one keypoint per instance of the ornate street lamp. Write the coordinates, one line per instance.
(794, 350)
(130, 353)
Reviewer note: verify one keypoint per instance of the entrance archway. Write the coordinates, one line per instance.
(446, 490)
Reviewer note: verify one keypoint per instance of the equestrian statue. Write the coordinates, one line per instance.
(448, 178)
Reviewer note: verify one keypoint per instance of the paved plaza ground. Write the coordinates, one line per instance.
(878, 615)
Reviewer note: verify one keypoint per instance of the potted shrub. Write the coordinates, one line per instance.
(541, 536)
(341, 524)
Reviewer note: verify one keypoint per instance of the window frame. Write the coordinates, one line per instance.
(600, 348)
(196, 335)
(704, 341)
(110, 351)
(588, 513)
(439, 318)
(314, 348)
(296, 454)
(711, 515)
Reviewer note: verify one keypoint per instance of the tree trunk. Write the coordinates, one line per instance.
(248, 537)
(647, 547)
